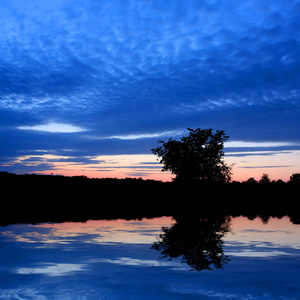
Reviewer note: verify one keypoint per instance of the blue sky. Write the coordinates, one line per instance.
(80, 80)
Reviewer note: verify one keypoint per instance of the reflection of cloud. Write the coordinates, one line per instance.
(254, 253)
(24, 292)
(53, 269)
(42, 239)
(277, 236)
(99, 232)
(127, 261)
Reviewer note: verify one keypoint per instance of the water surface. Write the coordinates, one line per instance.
(232, 258)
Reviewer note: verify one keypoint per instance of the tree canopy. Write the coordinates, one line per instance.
(196, 157)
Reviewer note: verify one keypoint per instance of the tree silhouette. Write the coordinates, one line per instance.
(265, 179)
(196, 157)
(295, 178)
(251, 180)
(198, 242)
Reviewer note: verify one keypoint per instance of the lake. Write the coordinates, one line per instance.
(190, 258)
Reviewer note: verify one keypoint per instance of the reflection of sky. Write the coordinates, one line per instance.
(104, 231)
(113, 260)
(251, 239)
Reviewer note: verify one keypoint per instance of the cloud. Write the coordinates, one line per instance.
(54, 128)
(139, 174)
(264, 167)
(256, 153)
(243, 144)
(85, 57)
(138, 136)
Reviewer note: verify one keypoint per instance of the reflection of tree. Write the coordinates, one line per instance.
(197, 241)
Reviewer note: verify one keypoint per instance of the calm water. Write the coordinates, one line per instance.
(232, 258)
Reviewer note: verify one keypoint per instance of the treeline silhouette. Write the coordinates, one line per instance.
(47, 198)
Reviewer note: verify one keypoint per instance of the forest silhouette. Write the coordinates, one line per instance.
(48, 198)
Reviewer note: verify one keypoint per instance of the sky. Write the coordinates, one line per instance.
(88, 87)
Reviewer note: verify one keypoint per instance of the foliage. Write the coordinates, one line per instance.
(196, 157)
(251, 180)
(295, 178)
(265, 179)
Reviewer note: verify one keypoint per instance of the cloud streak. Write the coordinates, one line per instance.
(243, 144)
(137, 136)
(54, 128)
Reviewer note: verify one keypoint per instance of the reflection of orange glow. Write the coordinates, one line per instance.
(110, 231)
(117, 224)
(276, 231)
(244, 232)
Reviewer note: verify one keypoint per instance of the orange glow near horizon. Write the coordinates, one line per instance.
(278, 165)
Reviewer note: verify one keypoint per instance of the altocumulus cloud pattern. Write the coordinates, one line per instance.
(110, 77)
